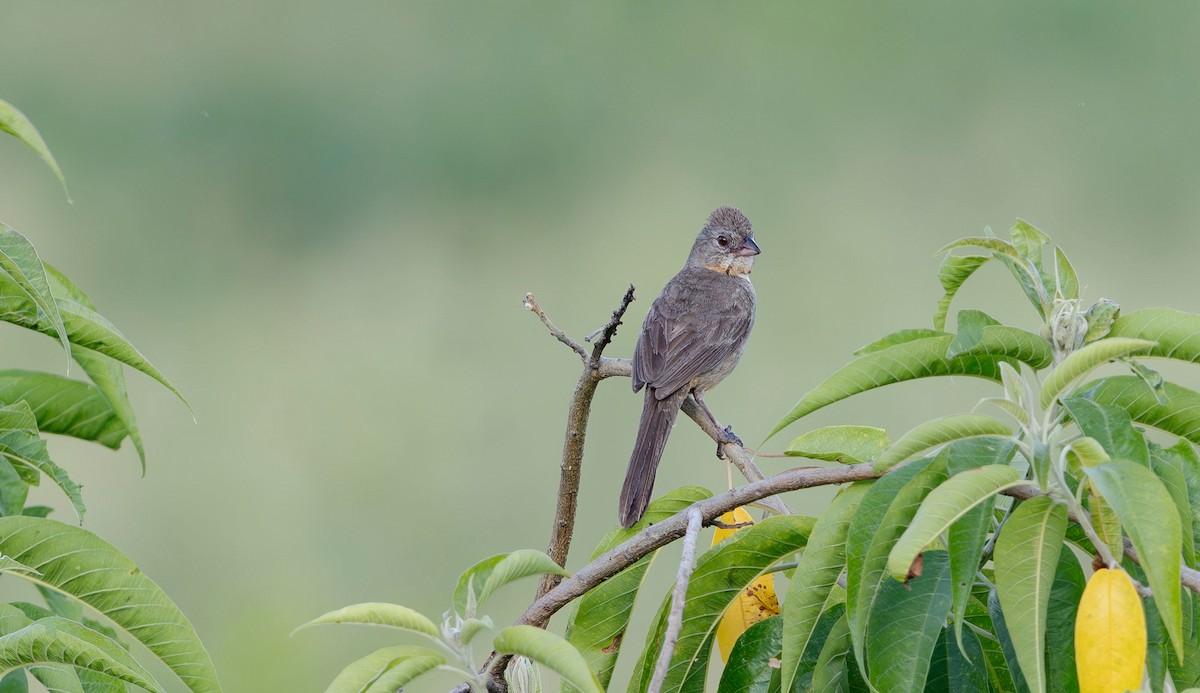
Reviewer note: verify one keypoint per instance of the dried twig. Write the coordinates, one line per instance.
(678, 597)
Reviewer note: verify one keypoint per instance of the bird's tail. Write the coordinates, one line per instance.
(658, 416)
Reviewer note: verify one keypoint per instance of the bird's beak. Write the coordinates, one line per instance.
(748, 248)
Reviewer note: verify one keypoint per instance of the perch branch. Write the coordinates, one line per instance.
(687, 562)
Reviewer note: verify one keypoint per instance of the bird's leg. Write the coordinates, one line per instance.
(726, 434)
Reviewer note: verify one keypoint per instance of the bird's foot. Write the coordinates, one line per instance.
(726, 436)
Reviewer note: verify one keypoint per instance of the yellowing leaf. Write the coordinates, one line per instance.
(1110, 634)
(757, 602)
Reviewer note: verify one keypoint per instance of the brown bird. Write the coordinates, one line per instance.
(692, 338)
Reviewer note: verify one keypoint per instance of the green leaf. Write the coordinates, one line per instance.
(939, 432)
(1111, 427)
(833, 669)
(1068, 281)
(1026, 558)
(1011, 342)
(1100, 316)
(1007, 648)
(550, 651)
(899, 337)
(404, 671)
(970, 324)
(1065, 593)
(1026, 274)
(748, 669)
(1169, 466)
(720, 575)
(1084, 361)
(361, 675)
(817, 574)
(79, 563)
(867, 560)
(22, 444)
(955, 669)
(845, 444)
(1148, 515)
(1030, 243)
(1190, 463)
(21, 262)
(378, 614)
(922, 358)
(808, 662)
(944, 506)
(107, 373)
(953, 272)
(480, 580)
(1105, 522)
(598, 620)
(19, 126)
(1180, 415)
(1176, 334)
(56, 640)
(904, 627)
(64, 406)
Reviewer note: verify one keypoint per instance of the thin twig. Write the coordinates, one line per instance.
(532, 306)
(678, 597)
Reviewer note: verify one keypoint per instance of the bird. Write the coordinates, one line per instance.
(692, 338)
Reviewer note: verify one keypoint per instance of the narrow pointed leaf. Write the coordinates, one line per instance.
(945, 505)
(1180, 415)
(1148, 515)
(550, 651)
(899, 337)
(970, 324)
(822, 563)
(832, 671)
(21, 262)
(1011, 342)
(15, 123)
(404, 671)
(22, 444)
(904, 627)
(79, 563)
(749, 667)
(1007, 648)
(1169, 467)
(1105, 522)
(922, 358)
(1084, 361)
(1110, 636)
(379, 614)
(1068, 281)
(56, 640)
(598, 620)
(1176, 335)
(1065, 593)
(955, 669)
(845, 444)
(939, 432)
(953, 272)
(1026, 559)
(1110, 426)
(64, 406)
(359, 675)
(516, 565)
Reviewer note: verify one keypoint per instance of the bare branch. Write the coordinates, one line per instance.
(532, 306)
(609, 330)
(678, 597)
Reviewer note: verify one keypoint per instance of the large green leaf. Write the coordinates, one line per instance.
(80, 564)
(957, 668)
(1189, 461)
(1170, 467)
(832, 672)
(953, 272)
(944, 506)
(1176, 334)
(22, 444)
(749, 667)
(1026, 558)
(1084, 361)
(845, 444)
(899, 337)
(1180, 415)
(379, 614)
(64, 406)
(107, 373)
(21, 263)
(720, 575)
(1065, 593)
(550, 651)
(478, 582)
(939, 432)
(904, 626)
(979, 333)
(921, 358)
(1149, 517)
(1110, 426)
(360, 674)
(1007, 647)
(19, 126)
(56, 640)
(597, 623)
(866, 576)
(820, 566)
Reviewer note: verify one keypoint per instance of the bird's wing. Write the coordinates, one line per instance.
(689, 331)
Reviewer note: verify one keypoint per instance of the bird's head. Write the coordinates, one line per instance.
(726, 243)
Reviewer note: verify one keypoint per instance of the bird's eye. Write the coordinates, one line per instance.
(722, 241)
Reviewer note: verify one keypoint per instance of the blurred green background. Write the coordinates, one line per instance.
(320, 219)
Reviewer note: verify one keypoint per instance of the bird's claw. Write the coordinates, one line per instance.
(726, 436)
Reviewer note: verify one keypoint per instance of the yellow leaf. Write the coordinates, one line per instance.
(756, 603)
(1110, 635)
